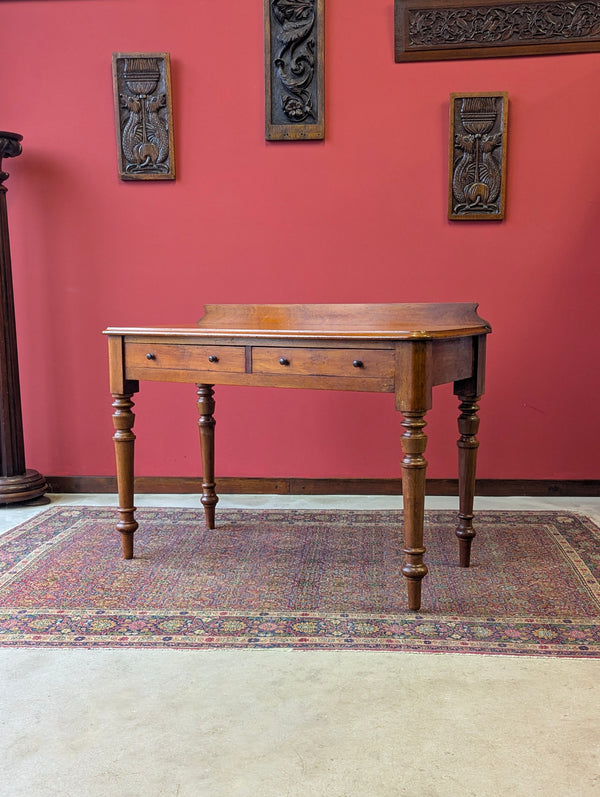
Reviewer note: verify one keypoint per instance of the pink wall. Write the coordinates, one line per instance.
(359, 217)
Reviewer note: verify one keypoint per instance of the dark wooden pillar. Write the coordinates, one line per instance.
(17, 483)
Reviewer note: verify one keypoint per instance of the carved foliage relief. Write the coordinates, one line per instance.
(482, 28)
(143, 114)
(294, 69)
(477, 164)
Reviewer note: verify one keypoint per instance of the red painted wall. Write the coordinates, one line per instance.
(358, 217)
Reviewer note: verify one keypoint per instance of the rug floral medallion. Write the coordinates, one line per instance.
(326, 580)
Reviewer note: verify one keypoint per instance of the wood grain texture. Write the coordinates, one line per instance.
(324, 321)
(477, 156)
(248, 485)
(437, 30)
(393, 348)
(17, 483)
(143, 116)
(294, 69)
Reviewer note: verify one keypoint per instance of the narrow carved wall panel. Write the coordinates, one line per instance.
(294, 69)
(143, 116)
(477, 160)
(427, 30)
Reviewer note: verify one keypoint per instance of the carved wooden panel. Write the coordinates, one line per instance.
(477, 160)
(427, 30)
(294, 69)
(143, 116)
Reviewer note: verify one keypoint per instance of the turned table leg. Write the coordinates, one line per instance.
(468, 425)
(206, 424)
(414, 464)
(124, 438)
(413, 400)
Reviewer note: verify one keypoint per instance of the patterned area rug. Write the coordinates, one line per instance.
(300, 579)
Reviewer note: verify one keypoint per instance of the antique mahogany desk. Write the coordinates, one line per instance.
(404, 349)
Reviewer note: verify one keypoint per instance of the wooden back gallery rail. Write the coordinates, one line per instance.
(403, 349)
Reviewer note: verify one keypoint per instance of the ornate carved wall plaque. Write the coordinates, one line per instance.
(429, 30)
(143, 116)
(294, 69)
(477, 161)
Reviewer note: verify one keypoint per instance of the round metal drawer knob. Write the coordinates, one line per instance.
(358, 364)
(213, 358)
(150, 356)
(283, 361)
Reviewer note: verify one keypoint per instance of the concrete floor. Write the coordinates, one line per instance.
(263, 723)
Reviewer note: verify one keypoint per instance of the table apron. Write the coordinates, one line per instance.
(363, 384)
(357, 368)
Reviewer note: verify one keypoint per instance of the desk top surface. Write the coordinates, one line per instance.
(326, 321)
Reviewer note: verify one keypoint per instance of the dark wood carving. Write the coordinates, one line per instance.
(17, 483)
(143, 116)
(429, 30)
(294, 69)
(477, 160)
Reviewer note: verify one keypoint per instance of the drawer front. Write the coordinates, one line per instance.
(359, 363)
(162, 356)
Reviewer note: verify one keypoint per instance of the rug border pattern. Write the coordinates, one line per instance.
(197, 630)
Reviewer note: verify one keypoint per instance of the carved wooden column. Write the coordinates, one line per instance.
(17, 483)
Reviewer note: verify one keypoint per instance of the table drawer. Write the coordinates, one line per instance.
(164, 357)
(359, 363)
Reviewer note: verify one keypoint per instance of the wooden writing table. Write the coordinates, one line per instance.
(404, 349)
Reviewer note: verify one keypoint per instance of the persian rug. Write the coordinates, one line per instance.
(326, 580)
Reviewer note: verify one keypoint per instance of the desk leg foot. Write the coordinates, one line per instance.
(124, 439)
(206, 424)
(414, 465)
(127, 538)
(468, 425)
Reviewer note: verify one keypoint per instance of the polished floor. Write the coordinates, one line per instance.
(77, 723)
